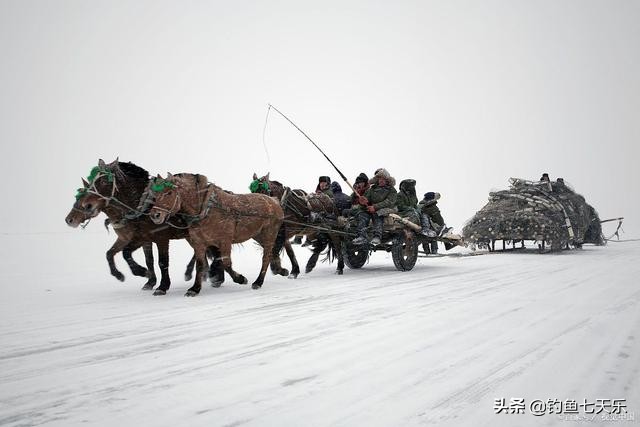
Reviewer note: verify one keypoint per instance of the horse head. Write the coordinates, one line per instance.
(78, 215)
(100, 187)
(166, 198)
(260, 185)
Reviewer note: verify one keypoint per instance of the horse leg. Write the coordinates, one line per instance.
(225, 254)
(313, 259)
(295, 268)
(216, 270)
(276, 266)
(201, 262)
(272, 239)
(163, 262)
(188, 274)
(117, 247)
(148, 257)
(266, 255)
(337, 247)
(136, 269)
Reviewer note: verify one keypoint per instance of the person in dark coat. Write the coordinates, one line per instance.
(408, 207)
(428, 206)
(341, 200)
(324, 186)
(378, 201)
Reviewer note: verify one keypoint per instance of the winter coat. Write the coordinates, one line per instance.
(341, 200)
(328, 191)
(407, 200)
(431, 208)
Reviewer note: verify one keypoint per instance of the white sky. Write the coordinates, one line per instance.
(457, 95)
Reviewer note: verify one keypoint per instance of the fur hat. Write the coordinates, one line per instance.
(408, 184)
(431, 196)
(382, 172)
(324, 179)
(335, 187)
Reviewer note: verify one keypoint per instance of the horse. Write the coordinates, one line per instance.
(78, 217)
(301, 211)
(220, 219)
(116, 190)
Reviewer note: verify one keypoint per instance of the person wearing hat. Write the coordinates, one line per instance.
(545, 177)
(408, 207)
(361, 186)
(324, 186)
(430, 214)
(376, 203)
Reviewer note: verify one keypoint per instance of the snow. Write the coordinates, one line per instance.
(375, 347)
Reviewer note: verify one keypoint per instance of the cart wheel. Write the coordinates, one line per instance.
(354, 256)
(405, 251)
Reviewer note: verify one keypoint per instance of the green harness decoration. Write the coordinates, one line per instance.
(96, 171)
(258, 185)
(81, 193)
(93, 174)
(160, 184)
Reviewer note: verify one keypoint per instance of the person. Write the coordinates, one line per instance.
(341, 200)
(376, 203)
(361, 185)
(545, 177)
(430, 211)
(408, 207)
(324, 183)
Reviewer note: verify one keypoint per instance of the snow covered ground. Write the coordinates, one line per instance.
(375, 347)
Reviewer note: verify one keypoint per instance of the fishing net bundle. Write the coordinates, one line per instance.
(542, 211)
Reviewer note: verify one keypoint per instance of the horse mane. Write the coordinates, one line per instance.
(203, 181)
(133, 171)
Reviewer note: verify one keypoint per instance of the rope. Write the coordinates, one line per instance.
(320, 228)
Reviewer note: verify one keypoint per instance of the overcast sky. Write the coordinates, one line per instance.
(457, 95)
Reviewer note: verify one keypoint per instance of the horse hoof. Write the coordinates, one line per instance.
(308, 270)
(216, 284)
(119, 276)
(148, 286)
(293, 276)
(191, 293)
(256, 285)
(284, 272)
(140, 272)
(159, 292)
(339, 272)
(241, 280)
(187, 277)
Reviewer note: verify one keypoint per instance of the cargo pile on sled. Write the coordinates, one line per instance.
(549, 213)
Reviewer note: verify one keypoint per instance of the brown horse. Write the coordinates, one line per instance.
(116, 190)
(303, 215)
(217, 218)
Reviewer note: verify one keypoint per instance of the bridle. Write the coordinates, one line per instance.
(170, 211)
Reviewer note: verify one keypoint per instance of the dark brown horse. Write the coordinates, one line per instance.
(80, 217)
(116, 190)
(303, 215)
(217, 218)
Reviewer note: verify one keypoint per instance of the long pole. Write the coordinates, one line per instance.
(344, 178)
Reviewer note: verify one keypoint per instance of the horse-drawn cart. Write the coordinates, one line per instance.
(400, 237)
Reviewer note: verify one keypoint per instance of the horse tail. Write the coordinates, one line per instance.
(331, 250)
